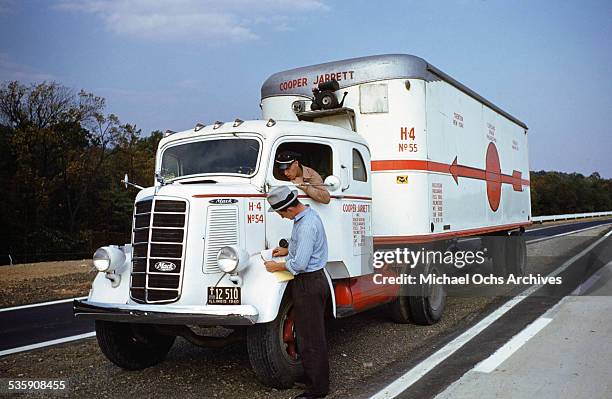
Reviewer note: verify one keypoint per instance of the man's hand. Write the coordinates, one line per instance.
(279, 251)
(299, 180)
(272, 266)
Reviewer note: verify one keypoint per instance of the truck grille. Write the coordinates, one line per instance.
(158, 240)
(221, 231)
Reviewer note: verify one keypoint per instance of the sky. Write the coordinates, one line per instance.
(167, 64)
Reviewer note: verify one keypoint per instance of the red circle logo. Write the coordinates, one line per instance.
(493, 175)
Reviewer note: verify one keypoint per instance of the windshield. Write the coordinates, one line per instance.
(222, 156)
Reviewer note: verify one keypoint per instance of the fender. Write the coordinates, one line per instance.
(332, 293)
(261, 289)
(102, 290)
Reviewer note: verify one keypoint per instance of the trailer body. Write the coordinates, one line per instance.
(445, 161)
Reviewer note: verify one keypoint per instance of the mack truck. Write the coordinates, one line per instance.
(410, 156)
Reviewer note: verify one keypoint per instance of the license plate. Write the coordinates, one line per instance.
(224, 295)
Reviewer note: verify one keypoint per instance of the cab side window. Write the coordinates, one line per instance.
(314, 155)
(359, 170)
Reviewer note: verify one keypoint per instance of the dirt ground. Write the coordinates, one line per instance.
(47, 281)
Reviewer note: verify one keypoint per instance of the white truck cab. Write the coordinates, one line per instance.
(383, 134)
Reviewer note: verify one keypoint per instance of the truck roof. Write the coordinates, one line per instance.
(368, 69)
(278, 129)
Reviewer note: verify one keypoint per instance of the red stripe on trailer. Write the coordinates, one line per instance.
(454, 169)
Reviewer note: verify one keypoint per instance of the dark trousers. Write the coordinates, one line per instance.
(309, 293)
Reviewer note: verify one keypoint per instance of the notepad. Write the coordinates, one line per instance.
(282, 275)
(266, 254)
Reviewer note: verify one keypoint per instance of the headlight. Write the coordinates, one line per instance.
(227, 259)
(232, 259)
(107, 259)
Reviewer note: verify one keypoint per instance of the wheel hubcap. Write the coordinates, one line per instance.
(289, 338)
(435, 296)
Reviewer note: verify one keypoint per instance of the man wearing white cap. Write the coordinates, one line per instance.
(306, 258)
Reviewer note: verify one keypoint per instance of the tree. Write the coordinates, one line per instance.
(59, 156)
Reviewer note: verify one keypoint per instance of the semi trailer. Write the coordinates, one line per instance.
(411, 158)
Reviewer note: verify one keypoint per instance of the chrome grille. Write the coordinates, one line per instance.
(158, 237)
(221, 230)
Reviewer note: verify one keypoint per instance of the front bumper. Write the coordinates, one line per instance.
(152, 314)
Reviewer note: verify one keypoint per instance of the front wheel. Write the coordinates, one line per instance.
(273, 350)
(132, 346)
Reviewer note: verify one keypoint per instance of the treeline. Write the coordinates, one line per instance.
(61, 161)
(557, 193)
(62, 158)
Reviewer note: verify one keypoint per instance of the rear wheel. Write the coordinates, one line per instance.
(516, 254)
(273, 349)
(427, 301)
(496, 249)
(419, 303)
(132, 346)
(399, 308)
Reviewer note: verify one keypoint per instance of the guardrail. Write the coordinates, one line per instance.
(552, 218)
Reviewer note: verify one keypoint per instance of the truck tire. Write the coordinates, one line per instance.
(516, 254)
(132, 346)
(496, 248)
(273, 350)
(426, 301)
(399, 308)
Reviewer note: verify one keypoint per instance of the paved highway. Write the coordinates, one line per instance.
(32, 325)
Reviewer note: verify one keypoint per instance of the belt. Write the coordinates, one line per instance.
(310, 274)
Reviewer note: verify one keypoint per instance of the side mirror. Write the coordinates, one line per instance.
(332, 182)
(129, 183)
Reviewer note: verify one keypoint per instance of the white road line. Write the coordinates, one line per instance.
(550, 227)
(557, 225)
(413, 375)
(503, 353)
(47, 343)
(565, 234)
(34, 305)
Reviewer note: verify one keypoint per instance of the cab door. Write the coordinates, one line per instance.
(347, 218)
(356, 207)
(322, 155)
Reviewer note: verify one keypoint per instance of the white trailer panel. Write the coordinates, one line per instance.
(445, 161)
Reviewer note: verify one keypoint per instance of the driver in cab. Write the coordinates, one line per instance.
(305, 178)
